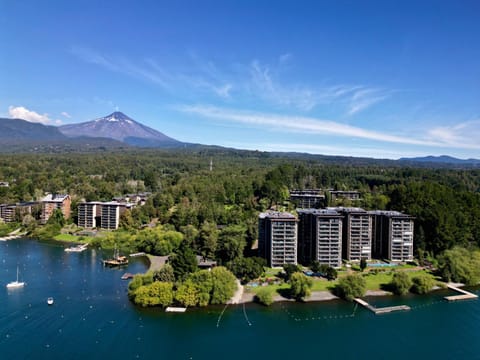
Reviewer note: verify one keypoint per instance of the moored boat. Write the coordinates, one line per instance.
(78, 248)
(50, 301)
(117, 260)
(15, 284)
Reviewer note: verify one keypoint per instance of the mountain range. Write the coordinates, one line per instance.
(443, 159)
(118, 131)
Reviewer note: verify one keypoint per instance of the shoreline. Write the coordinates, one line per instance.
(243, 296)
(316, 296)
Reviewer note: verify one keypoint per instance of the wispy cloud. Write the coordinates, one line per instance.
(363, 98)
(309, 125)
(264, 83)
(65, 114)
(20, 112)
(462, 135)
(206, 77)
(255, 80)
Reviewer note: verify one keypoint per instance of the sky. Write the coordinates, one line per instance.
(382, 79)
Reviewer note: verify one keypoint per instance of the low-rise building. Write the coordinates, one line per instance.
(392, 235)
(320, 237)
(277, 242)
(16, 212)
(308, 198)
(51, 202)
(342, 194)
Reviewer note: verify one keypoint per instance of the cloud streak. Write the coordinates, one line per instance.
(254, 80)
(309, 125)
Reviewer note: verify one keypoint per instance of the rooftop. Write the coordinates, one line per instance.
(277, 215)
(55, 198)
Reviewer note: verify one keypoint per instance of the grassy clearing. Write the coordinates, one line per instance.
(68, 238)
(375, 281)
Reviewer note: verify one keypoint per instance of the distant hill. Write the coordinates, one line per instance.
(119, 126)
(18, 130)
(17, 135)
(443, 159)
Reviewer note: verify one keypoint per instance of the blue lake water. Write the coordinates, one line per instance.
(92, 318)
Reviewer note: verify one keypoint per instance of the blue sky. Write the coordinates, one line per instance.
(383, 79)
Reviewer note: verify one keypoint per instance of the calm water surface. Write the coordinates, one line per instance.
(92, 318)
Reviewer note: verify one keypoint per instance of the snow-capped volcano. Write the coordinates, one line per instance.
(119, 126)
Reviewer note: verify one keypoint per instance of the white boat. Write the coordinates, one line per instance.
(50, 301)
(78, 248)
(15, 284)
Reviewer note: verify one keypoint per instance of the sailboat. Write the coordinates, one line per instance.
(15, 284)
(117, 260)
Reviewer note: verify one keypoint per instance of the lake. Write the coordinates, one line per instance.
(92, 318)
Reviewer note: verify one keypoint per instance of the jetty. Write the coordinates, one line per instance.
(464, 295)
(383, 310)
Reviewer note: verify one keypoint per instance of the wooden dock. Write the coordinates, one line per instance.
(465, 295)
(384, 310)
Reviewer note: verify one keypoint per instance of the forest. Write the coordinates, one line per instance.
(216, 211)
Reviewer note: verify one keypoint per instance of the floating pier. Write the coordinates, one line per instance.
(384, 310)
(175, 309)
(465, 295)
(138, 254)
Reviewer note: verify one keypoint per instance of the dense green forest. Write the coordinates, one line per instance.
(216, 211)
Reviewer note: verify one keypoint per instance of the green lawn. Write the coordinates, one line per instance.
(374, 280)
(68, 238)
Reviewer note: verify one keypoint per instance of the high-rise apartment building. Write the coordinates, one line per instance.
(357, 233)
(320, 237)
(392, 235)
(277, 241)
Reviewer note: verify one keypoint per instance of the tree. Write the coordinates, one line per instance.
(300, 286)
(203, 282)
(231, 243)
(265, 296)
(183, 261)
(157, 293)
(400, 283)
(363, 264)
(351, 286)
(290, 269)
(331, 273)
(422, 284)
(126, 220)
(460, 265)
(165, 274)
(208, 239)
(187, 294)
(56, 218)
(224, 285)
(315, 266)
(247, 269)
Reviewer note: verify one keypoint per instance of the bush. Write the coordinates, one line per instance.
(400, 283)
(351, 286)
(300, 286)
(422, 284)
(265, 296)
